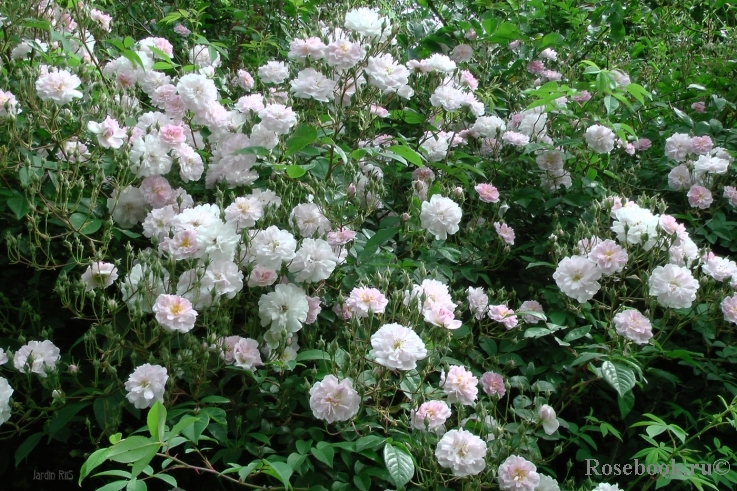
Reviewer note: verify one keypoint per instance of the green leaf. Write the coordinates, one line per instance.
(183, 423)
(303, 135)
(156, 420)
(95, 459)
(406, 152)
(616, 24)
(551, 39)
(27, 446)
(296, 171)
(252, 151)
(64, 415)
(19, 205)
(313, 354)
(622, 379)
(114, 486)
(683, 117)
(167, 479)
(368, 441)
(215, 400)
(325, 454)
(399, 464)
(537, 332)
(303, 446)
(194, 431)
(245, 471)
(577, 333)
(379, 238)
(279, 470)
(132, 449)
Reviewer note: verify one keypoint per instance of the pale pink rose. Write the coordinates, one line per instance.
(487, 193)
(633, 325)
(729, 308)
(435, 412)
(378, 111)
(536, 67)
(730, 192)
(226, 346)
(314, 309)
(364, 300)
(262, 276)
(643, 144)
(109, 133)
(341, 237)
(182, 30)
(504, 315)
(582, 97)
(670, 226)
(246, 354)
(517, 474)
(531, 306)
(442, 317)
(493, 384)
(172, 134)
(609, 256)
(699, 107)
(459, 385)
(505, 232)
(516, 139)
(699, 197)
(469, 80)
(702, 145)
(334, 401)
(157, 191)
(174, 313)
(343, 311)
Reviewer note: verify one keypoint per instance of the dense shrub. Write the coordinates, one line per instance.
(260, 244)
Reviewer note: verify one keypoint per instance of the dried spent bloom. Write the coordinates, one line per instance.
(146, 385)
(462, 452)
(334, 401)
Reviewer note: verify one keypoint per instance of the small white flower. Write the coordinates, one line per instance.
(397, 347)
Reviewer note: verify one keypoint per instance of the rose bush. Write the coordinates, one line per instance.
(302, 255)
